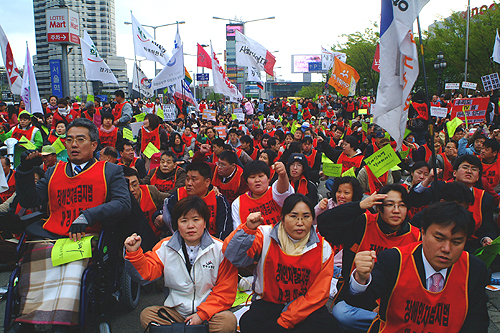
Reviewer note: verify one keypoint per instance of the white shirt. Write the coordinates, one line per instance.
(73, 165)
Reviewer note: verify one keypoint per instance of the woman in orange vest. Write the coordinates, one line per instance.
(444, 161)
(269, 156)
(293, 273)
(178, 147)
(357, 229)
(298, 173)
(58, 133)
(151, 132)
(109, 136)
(247, 146)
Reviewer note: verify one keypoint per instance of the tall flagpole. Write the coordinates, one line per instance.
(135, 64)
(430, 121)
(467, 43)
(29, 78)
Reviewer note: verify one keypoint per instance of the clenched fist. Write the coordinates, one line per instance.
(364, 261)
(280, 169)
(254, 220)
(133, 242)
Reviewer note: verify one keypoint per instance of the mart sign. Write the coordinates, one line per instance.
(63, 26)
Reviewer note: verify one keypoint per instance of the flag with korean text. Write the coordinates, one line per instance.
(344, 78)
(145, 46)
(13, 76)
(96, 68)
(222, 84)
(249, 53)
(172, 73)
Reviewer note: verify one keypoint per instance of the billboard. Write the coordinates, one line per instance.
(63, 26)
(300, 62)
(231, 30)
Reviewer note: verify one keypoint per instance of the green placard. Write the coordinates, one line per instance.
(261, 117)
(140, 117)
(364, 126)
(381, 161)
(58, 145)
(150, 150)
(233, 116)
(26, 143)
(363, 111)
(404, 154)
(66, 250)
(127, 134)
(452, 126)
(349, 173)
(241, 297)
(160, 114)
(329, 168)
(90, 98)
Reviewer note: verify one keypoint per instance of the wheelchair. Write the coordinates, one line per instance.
(105, 282)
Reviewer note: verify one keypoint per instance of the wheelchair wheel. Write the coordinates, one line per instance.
(104, 328)
(130, 291)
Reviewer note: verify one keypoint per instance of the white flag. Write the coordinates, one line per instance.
(253, 75)
(251, 54)
(398, 65)
(96, 68)
(13, 76)
(327, 58)
(222, 85)
(496, 49)
(177, 40)
(172, 73)
(141, 83)
(145, 46)
(29, 91)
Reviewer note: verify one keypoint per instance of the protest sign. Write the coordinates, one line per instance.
(363, 111)
(489, 253)
(150, 150)
(209, 114)
(169, 112)
(329, 168)
(491, 82)
(469, 85)
(66, 250)
(349, 173)
(140, 116)
(404, 154)
(407, 132)
(382, 160)
(58, 145)
(127, 134)
(452, 86)
(221, 131)
(439, 112)
(474, 109)
(26, 143)
(452, 126)
(364, 126)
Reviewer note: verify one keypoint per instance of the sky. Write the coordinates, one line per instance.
(298, 27)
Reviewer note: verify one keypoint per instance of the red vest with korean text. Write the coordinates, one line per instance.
(266, 205)
(163, 185)
(148, 207)
(211, 201)
(108, 139)
(229, 189)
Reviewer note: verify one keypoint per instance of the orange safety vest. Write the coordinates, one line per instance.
(211, 201)
(91, 117)
(311, 158)
(374, 183)
(271, 134)
(492, 172)
(428, 153)
(287, 277)
(475, 209)
(270, 210)
(53, 138)
(108, 139)
(448, 168)
(68, 196)
(254, 154)
(163, 185)
(349, 162)
(229, 189)
(131, 165)
(179, 155)
(18, 133)
(117, 111)
(302, 188)
(375, 240)
(11, 182)
(147, 137)
(413, 308)
(148, 207)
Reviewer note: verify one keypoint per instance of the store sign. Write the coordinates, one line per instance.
(63, 26)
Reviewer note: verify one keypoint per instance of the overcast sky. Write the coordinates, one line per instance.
(299, 27)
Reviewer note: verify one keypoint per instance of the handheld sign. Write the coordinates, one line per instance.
(58, 145)
(221, 131)
(489, 253)
(469, 85)
(363, 111)
(349, 173)
(150, 150)
(66, 250)
(90, 98)
(364, 126)
(439, 112)
(452, 126)
(403, 154)
(233, 116)
(140, 117)
(329, 168)
(474, 109)
(26, 143)
(160, 114)
(209, 114)
(127, 134)
(452, 86)
(381, 161)
(241, 297)
(169, 112)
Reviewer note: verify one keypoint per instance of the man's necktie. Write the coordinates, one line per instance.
(437, 282)
(77, 169)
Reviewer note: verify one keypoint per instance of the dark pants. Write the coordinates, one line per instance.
(262, 318)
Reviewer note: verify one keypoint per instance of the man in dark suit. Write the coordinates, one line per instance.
(428, 286)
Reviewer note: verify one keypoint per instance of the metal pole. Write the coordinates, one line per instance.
(430, 123)
(467, 43)
(154, 34)
(65, 70)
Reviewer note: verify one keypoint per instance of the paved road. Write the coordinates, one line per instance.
(128, 321)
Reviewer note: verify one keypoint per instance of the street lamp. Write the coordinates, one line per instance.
(365, 83)
(439, 65)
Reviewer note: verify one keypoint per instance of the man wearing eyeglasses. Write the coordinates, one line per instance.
(228, 176)
(467, 169)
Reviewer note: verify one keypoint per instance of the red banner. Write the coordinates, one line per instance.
(474, 108)
(204, 59)
(376, 60)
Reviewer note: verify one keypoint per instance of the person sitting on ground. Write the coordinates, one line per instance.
(128, 158)
(293, 272)
(109, 154)
(209, 295)
(298, 172)
(109, 135)
(168, 177)
(228, 176)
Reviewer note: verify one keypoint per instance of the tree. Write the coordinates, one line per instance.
(315, 88)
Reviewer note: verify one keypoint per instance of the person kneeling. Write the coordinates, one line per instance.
(202, 282)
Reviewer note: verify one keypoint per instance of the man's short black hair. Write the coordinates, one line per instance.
(352, 141)
(218, 142)
(307, 140)
(254, 168)
(493, 144)
(229, 156)
(247, 139)
(232, 130)
(170, 154)
(120, 93)
(202, 168)
(272, 141)
(457, 192)
(110, 151)
(121, 146)
(447, 213)
(84, 122)
(471, 159)
(129, 172)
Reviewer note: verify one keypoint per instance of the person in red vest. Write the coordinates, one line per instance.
(128, 158)
(178, 147)
(109, 135)
(418, 284)
(52, 106)
(148, 196)
(293, 272)
(92, 114)
(298, 173)
(247, 147)
(313, 158)
(490, 161)
(103, 196)
(261, 197)
(168, 176)
(357, 229)
(57, 133)
(151, 132)
(122, 112)
(9, 177)
(228, 176)
(350, 156)
(199, 183)
(269, 128)
(419, 113)
(64, 113)
(444, 161)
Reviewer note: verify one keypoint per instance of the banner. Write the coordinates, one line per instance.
(327, 58)
(141, 83)
(249, 53)
(203, 58)
(13, 76)
(376, 60)
(344, 78)
(398, 65)
(145, 46)
(95, 67)
(209, 114)
(29, 91)
(172, 73)
(253, 75)
(490, 82)
(222, 85)
(474, 108)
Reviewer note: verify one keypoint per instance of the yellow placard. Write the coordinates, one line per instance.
(90, 98)
(452, 126)
(233, 116)
(160, 114)
(191, 153)
(66, 250)
(330, 169)
(127, 134)
(241, 297)
(140, 117)
(364, 126)
(26, 143)
(58, 145)
(363, 111)
(150, 150)
(349, 173)
(381, 161)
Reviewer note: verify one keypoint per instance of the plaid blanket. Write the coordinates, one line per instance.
(49, 295)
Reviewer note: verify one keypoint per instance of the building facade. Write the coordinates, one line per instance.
(98, 18)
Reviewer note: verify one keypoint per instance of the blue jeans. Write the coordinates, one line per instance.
(352, 319)
(329, 184)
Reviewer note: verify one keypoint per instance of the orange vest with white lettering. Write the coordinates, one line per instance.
(349, 162)
(288, 277)
(11, 182)
(68, 196)
(147, 137)
(311, 158)
(163, 185)
(492, 172)
(413, 308)
(108, 139)
(376, 240)
(29, 133)
(211, 201)
(229, 189)
(269, 209)
(148, 207)
(302, 187)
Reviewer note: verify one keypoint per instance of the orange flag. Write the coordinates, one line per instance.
(344, 78)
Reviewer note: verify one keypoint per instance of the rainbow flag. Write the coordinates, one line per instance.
(188, 77)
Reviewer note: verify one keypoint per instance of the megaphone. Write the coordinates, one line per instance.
(11, 144)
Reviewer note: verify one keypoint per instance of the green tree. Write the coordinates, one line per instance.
(315, 88)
